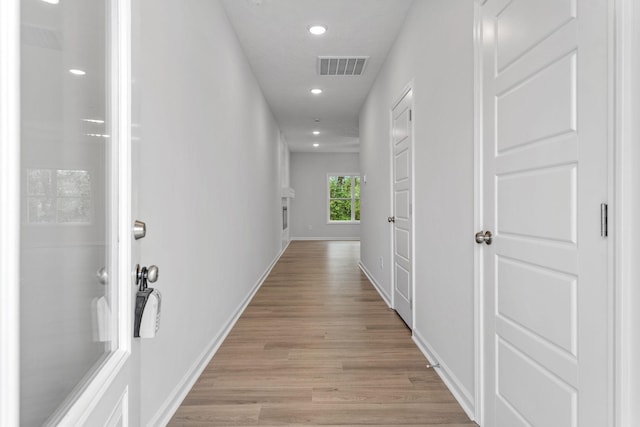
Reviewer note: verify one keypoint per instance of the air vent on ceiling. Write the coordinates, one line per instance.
(341, 65)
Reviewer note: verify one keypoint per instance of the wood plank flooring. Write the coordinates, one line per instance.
(318, 346)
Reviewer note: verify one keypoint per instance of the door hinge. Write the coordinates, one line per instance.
(410, 115)
(604, 220)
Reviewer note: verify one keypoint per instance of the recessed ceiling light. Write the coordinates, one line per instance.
(51, 1)
(98, 121)
(316, 91)
(316, 145)
(77, 72)
(317, 30)
(316, 132)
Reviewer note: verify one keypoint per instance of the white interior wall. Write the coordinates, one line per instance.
(284, 169)
(309, 207)
(435, 52)
(210, 191)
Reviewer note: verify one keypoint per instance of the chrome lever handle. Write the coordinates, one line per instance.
(484, 237)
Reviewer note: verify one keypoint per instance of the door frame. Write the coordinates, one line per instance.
(10, 212)
(409, 87)
(478, 216)
(10, 223)
(624, 204)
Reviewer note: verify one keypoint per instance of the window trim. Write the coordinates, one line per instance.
(353, 198)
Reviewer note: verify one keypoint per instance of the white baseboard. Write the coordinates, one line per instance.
(462, 395)
(327, 238)
(173, 402)
(383, 294)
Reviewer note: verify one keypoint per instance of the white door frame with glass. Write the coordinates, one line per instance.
(9, 212)
(65, 207)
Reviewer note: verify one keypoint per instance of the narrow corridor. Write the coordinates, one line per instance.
(318, 346)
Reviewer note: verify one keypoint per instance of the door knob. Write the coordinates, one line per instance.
(103, 276)
(391, 219)
(145, 274)
(484, 237)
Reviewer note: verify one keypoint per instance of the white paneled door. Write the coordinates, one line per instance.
(546, 291)
(72, 206)
(402, 139)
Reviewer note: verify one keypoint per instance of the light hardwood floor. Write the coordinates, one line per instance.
(318, 346)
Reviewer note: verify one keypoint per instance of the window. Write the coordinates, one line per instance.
(344, 198)
(58, 196)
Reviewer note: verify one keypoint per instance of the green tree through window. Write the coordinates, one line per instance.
(344, 198)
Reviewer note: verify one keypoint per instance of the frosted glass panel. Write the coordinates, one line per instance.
(66, 320)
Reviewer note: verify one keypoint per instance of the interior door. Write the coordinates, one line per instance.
(402, 136)
(75, 282)
(546, 292)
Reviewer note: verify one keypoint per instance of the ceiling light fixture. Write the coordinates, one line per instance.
(77, 72)
(316, 132)
(317, 30)
(316, 91)
(316, 145)
(51, 1)
(98, 121)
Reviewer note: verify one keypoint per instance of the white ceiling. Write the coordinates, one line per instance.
(283, 55)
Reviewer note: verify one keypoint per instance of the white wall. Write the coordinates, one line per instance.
(435, 51)
(309, 208)
(209, 189)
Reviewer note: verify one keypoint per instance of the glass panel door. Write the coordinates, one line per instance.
(68, 266)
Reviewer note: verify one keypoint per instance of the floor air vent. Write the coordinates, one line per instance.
(341, 65)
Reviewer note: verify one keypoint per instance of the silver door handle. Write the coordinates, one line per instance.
(103, 276)
(484, 237)
(149, 274)
(391, 219)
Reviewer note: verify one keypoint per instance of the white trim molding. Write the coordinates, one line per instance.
(10, 212)
(478, 302)
(386, 298)
(462, 395)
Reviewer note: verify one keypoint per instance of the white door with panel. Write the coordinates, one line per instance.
(546, 296)
(402, 222)
(77, 357)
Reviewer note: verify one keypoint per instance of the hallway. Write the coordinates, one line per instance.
(318, 346)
